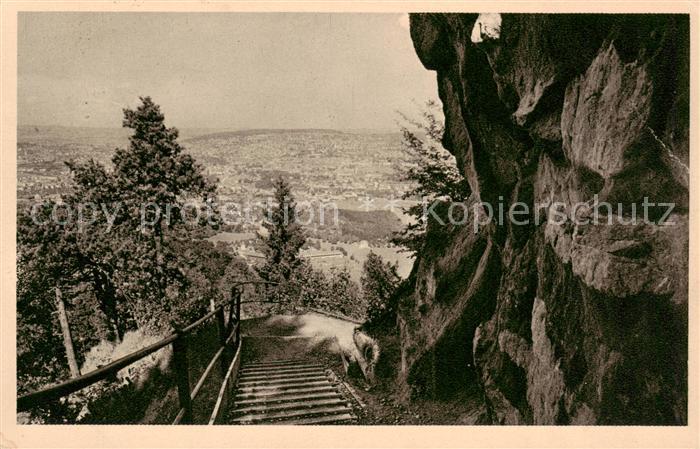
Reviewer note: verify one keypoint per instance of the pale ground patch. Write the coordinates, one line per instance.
(317, 327)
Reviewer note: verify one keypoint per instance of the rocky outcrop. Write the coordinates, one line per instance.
(578, 316)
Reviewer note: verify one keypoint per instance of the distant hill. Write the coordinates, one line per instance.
(119, 136)
(94, 136)
(255, 132)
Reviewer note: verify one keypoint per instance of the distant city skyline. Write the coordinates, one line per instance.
(220, 71)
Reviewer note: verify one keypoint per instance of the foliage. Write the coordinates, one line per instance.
(140, 257)
(334, 292)
(281, 245)
(345, 296)
(128, 380)
(431, 170)
(299, 284)
(116, 271)
(308, 287)
(46, 261)
(380, 281)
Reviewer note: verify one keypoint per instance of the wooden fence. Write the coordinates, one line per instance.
(227, 357)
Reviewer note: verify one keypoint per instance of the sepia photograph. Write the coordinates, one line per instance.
(353, 219)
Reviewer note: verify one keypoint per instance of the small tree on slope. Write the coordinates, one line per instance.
(379, 283)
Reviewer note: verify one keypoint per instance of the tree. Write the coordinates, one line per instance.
(46, 263)
(153, 180)
(93, 239)
(344, 294)
(136, 275)
(284, 239)
(379, 283)
(430, 169)
(134, 260)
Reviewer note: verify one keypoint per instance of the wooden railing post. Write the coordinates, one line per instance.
(222, 340)
(229, 322)
(238, 317)
(182, 377)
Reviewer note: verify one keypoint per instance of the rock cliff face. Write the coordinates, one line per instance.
(559, 321)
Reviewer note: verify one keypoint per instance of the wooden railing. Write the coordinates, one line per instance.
(180, 363)
(227, 356)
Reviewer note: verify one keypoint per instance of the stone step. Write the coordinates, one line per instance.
(260, 388)
(283, 381)
(258, 417)
(274, 395)
(288, 392)
(279, 363)
(280, 398)
(282, 367)
(345, 418)
(282, 375)
(260, 372)
(301, 404)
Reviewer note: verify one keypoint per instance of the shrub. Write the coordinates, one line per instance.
(379, 283)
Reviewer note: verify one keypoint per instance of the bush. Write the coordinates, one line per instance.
(128, 381)
(379, 283)
(107, 352)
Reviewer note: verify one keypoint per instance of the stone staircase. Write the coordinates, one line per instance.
(283, 392)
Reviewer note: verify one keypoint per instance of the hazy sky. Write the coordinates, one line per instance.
(219, 70)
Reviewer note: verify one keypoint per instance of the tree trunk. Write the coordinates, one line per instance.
(108, 304)
(67, 339)
(118, 334)
(160, 263)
